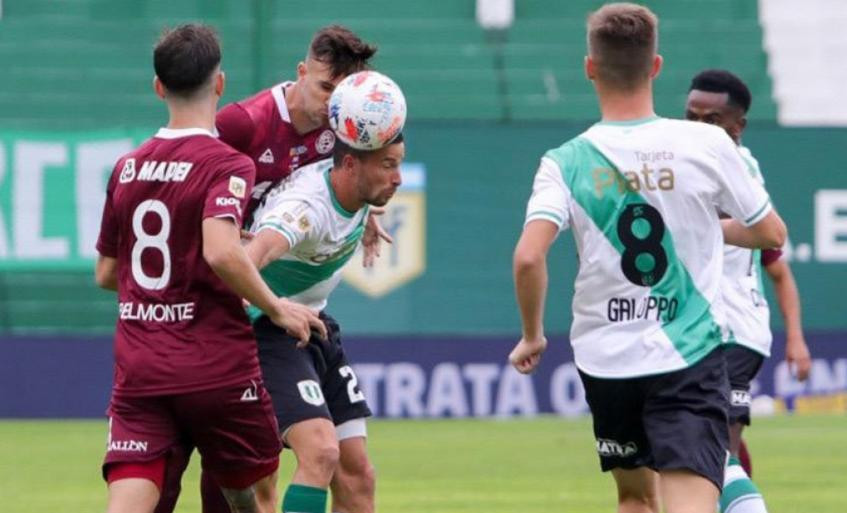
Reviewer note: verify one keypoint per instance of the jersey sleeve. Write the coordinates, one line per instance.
(230, 191)
(550, 197)
(107, 241)
(295, 219)
(235, 127)
(741, 194)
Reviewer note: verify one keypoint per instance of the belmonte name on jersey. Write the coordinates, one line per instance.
(642, 199)
(321, 233)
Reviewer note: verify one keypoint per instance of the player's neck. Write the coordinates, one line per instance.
(297, 112)
(344, 191)
(192, 115)
(625, 106)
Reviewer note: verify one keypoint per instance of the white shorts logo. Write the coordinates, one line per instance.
(310, 391)
(606, 447)
(740, 398)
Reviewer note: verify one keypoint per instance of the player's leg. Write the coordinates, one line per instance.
(293, 380)
(685, 418)
(740, 494)
(745, 458)
(621, 442)
(638, 490)
(141, 434)
(177, 462)
(236, 435)
(684, 491)
(354, 482)
(316, 448)
(132, 495)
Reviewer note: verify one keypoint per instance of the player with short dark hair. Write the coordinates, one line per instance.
(721, 98)
(281, 129)
(186, 364)
(641, 194)
(305, 232)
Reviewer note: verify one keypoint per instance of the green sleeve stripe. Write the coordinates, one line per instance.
(281, 229)
(544, 213)
(758, 213)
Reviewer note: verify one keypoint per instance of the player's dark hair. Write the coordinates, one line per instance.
(341, 149)
(622, 41)
(341, 49)
(185, 58)
(722, 81)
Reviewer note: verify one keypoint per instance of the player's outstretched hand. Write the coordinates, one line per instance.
(526, 355)
(373, 237)
(798, 357)
(299, 321)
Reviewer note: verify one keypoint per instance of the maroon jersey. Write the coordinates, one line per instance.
(261, 128)
(180, 328)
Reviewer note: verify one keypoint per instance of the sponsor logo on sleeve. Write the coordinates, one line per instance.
(238, 187)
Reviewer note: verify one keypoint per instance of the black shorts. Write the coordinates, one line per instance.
(742, 365)
(308, 383)
(676, 420)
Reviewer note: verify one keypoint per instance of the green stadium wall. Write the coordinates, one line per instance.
(450, 272)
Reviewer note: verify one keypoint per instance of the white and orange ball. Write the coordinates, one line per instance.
(367, 110)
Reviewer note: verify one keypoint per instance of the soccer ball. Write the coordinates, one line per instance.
(367, 110)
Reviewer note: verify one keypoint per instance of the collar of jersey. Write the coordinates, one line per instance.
(278, 92)
(176, 133)
(338, 208)
(630, 122)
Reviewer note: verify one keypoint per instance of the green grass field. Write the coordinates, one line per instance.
(542, 465)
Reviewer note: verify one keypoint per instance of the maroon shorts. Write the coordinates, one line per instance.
(233, 428)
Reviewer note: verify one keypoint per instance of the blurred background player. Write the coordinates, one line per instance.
(720, 98)
(186, 363)
(645, 335)
(305, 232)
(282, 128)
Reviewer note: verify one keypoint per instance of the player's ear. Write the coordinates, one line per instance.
(220, 82)
(301, 70)
(158, 87)
(588, 65)
(657, 66)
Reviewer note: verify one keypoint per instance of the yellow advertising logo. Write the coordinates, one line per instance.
(405, 221)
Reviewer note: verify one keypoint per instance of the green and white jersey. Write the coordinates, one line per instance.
(321, 233)
(747, 313)
(642, 199)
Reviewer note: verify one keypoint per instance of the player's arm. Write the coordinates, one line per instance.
(770, 232)
(547, 213)
(785, 287)
(106, 272)
(235, 127)
(529, 269)
(224, 253)
(265, 247)
(106, 268)
(754, 223)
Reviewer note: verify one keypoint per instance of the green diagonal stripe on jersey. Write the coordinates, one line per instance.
(693, 332)
(289, 277)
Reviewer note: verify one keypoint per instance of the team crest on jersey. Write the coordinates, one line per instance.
(237, 186)
(128, 172)
(325, 142)
(405, 221)
(304, 224)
